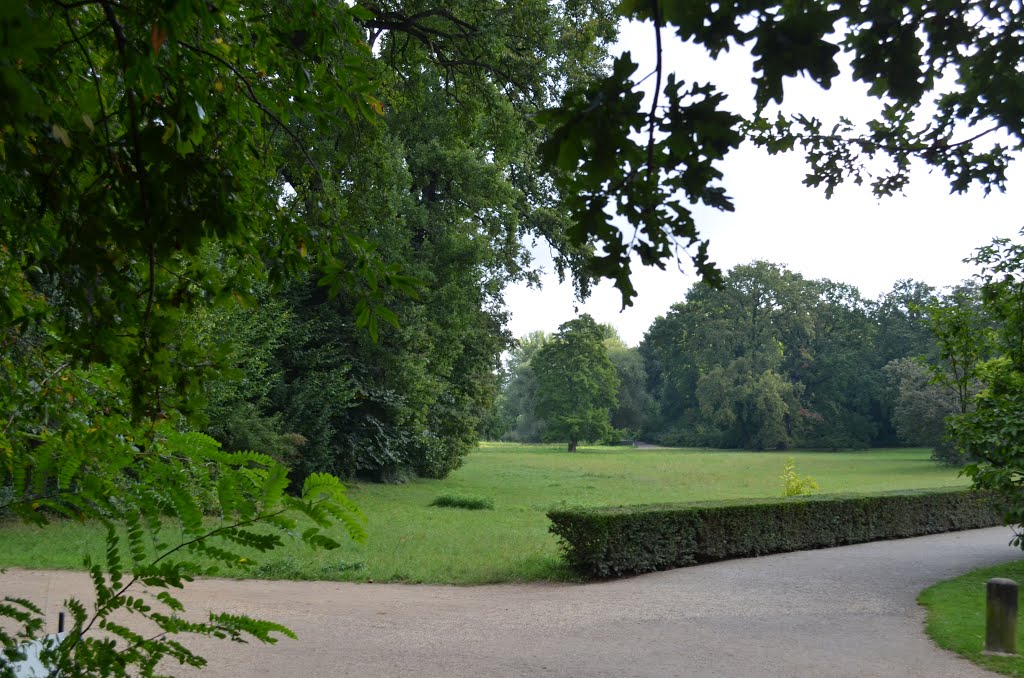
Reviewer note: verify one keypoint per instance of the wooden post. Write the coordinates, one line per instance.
(1001, 617)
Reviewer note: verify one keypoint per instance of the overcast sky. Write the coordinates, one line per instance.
(852, 238)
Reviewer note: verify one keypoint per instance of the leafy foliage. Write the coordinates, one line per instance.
(772, 360)
(793, 484)
(141, 146)
(901, 317)
(518, 418)
(576, 383)
(990, 431)
(962, 334)
(769, 360)
(636, 408)
(162, 138)
(444, 187)
(932, 66)
(921, 407)
(160, 160)
(169, 473)
(627, 540)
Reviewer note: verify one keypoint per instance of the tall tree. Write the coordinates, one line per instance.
(445, 186)
(135, 136)
(750, 330)
(964, 337)
(839, 370)
(900, 315)
(989, 432)
(576, 383)
(751, 409)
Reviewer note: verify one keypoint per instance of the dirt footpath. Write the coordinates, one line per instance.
(847, 611)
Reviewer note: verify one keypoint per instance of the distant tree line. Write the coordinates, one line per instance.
(767, 360)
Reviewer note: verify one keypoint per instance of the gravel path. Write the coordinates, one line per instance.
(846, 611)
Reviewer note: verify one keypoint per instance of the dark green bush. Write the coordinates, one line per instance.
(607, 542)
(945, 452)
(463, 502)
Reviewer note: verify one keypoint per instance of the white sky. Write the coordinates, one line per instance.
(852, 238)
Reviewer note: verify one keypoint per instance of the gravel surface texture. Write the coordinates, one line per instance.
(846, 611)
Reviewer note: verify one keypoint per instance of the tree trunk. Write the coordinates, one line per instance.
(572, 445)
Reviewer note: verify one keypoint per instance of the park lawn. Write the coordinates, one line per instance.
(411, 541)
(956, 616)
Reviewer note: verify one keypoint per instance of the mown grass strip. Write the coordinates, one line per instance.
(956, 616)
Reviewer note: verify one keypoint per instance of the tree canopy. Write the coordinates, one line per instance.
(987, 429)
(947, 77)
(577, 383)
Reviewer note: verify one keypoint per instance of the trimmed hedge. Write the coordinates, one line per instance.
(627, 540)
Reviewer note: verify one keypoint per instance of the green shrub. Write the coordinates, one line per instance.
(946, 452)
(793, 485)
(606, 542)
(463, 502)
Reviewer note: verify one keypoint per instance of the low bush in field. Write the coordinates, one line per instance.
(463, 502)
(605, 542)
(795, 485)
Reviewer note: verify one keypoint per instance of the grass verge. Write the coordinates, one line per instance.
(410, 541)
(956, 616)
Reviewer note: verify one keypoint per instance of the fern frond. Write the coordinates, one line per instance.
(355, 529)
(319, 486)
(228, 495)
(281, 522)
(115, 569)
(274, 486)
(188, 512)
(236, 625)
(314, 538)
(70, 464)
(170, 601)
(247, 459)
(25, 603)
(255, 540)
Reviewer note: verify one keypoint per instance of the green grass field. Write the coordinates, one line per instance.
(956, 616)
(410, 541)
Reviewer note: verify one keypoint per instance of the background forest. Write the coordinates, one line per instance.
(771, 360)
(768, 360)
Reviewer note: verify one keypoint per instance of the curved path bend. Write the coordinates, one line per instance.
(847, 611)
